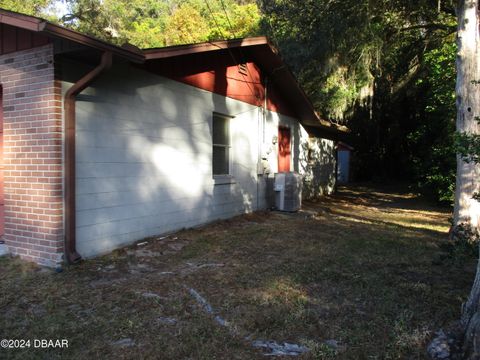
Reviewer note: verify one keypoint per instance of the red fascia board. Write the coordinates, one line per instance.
(179, 50)
(19, 20)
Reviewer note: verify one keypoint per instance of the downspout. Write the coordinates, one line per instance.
(261, 140)
(265, 108)
(69, 128)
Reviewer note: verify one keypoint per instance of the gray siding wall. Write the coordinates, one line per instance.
(144, 154)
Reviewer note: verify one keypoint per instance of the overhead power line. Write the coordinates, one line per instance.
(228, 19)
(246, 80)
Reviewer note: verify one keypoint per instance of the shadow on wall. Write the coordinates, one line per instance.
(144, 160)
(298, 150)
(318, 167)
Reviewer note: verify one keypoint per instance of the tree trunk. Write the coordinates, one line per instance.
(467, 209)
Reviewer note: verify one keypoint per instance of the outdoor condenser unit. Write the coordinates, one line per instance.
(288, 191)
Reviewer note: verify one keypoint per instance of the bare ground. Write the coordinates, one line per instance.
(361, 268)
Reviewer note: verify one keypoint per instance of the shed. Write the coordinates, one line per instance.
(344, 156)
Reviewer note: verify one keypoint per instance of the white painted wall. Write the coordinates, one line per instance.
(319, 174)
(144, 155)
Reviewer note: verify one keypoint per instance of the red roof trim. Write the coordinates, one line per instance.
(179, 50)
(19, 20)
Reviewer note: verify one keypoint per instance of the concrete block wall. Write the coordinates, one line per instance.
(144, 158)
(32, 123)
(320, 164)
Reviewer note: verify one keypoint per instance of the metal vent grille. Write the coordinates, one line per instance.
(242, 69)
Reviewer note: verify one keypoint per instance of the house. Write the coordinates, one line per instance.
(105, 145)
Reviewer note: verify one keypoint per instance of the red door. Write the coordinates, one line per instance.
(284, 150)
(2, 206)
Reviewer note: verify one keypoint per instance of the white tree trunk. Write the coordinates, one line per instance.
(467, 210)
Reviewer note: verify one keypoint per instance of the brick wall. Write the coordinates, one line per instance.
(32, 155)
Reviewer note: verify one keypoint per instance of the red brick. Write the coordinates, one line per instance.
(33, 136)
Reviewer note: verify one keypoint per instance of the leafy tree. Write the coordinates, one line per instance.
(141, 23)
(233, 21)
(363, 63)
(29, 7)
(432, 142)
(155, 23)
(186, 25)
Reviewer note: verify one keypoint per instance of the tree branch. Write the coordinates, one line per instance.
(433, 26)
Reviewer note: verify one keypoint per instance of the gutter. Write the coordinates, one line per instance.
(69, 128)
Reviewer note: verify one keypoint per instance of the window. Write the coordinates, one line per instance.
(221, 144)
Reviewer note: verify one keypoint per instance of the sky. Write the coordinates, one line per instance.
(60, 8)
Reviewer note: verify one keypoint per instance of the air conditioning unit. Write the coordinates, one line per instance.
(288, 191)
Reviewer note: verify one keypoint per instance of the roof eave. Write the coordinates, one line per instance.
(35, 24)
(180, 50)
(20, 20)
(64, 33)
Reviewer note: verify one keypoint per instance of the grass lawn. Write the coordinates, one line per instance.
(360, 268)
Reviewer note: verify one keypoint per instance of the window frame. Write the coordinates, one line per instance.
(228, 177)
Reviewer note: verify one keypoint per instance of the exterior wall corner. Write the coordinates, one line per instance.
(33, 155)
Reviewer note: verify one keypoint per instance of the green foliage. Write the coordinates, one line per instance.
(385, 69)
(339, 47)
(155, 23)
(468, 146)
(186, 25)
(434, 156)
(29, 7)
(332, 46)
